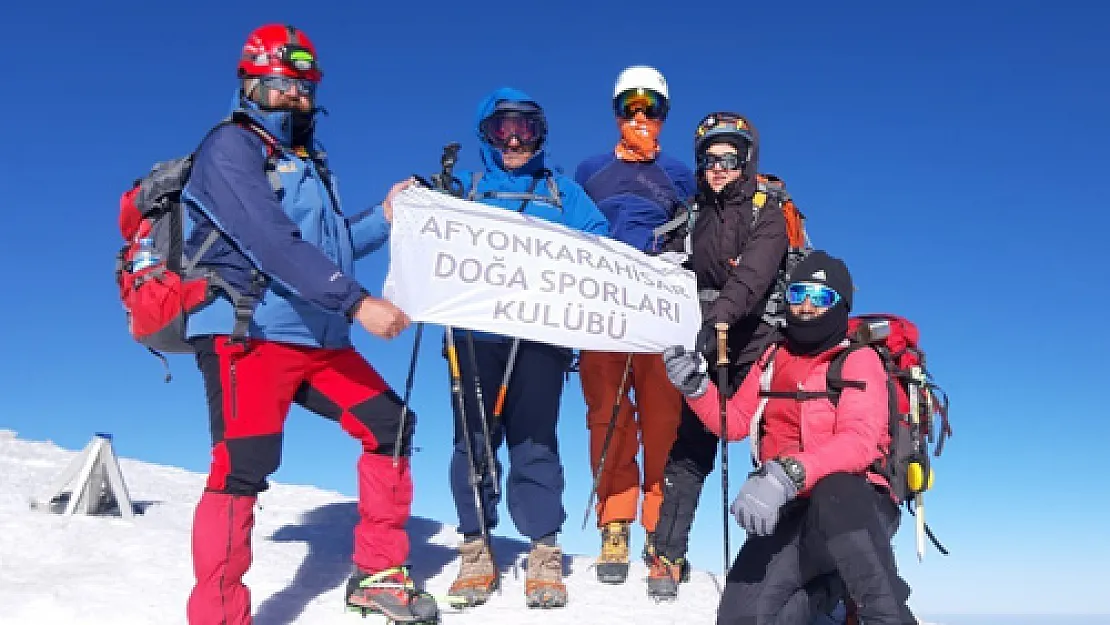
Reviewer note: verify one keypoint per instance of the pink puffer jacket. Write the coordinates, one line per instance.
(845, 438)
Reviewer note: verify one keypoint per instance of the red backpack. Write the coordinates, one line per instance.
(918, 419)
(158, 285)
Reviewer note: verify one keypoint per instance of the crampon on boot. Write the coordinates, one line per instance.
(543, 585)
(664, 577)
(477, 578)
(391, 593)
(612, 565)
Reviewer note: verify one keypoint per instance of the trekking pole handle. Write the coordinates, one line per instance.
(722, 343)
(445, 179)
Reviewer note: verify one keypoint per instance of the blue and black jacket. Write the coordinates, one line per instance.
(637, 197)
(292, 251)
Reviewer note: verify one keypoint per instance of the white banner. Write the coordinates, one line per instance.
(463, 264)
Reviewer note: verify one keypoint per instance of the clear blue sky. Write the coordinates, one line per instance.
(952, 153)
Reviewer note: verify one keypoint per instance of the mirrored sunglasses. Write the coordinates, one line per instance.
(819, 295)
(651, 103)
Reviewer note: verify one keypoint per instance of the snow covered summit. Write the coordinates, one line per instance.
(94, 570)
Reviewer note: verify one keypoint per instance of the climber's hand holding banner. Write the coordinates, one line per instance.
(468, 265)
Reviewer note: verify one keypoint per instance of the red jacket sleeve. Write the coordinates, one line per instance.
(739, 409)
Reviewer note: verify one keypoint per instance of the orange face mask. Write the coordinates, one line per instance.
(639, 138)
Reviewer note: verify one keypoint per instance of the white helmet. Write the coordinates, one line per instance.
(641, 77)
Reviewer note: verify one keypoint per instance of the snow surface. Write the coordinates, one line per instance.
(104, 569)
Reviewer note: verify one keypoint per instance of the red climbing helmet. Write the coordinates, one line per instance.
(276, 49)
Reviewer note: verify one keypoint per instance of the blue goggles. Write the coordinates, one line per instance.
(284, 83)
(819, 295)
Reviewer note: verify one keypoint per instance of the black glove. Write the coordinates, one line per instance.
(706, 342)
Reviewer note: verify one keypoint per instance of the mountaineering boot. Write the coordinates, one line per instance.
(664, 577)
(477, 578)
(543, 585)
(612, 565)
(393, 594)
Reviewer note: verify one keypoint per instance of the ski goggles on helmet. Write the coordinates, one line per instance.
(650, 102)
(282, 84)
(528, 127)
(729, 161)
(819, 295)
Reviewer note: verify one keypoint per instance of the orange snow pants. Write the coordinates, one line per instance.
(647, 419)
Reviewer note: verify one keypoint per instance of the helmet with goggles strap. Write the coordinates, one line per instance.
(279, 50)
(724, 127)
(523, 120)
(641, 88)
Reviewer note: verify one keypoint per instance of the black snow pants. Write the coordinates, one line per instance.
(834, 543)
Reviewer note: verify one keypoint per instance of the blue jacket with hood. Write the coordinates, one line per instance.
(577, 210)
(298, 242)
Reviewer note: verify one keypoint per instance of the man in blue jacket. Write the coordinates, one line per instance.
(268, 226)
(511, 130)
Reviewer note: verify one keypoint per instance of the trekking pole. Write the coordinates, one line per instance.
(472, 469)
(499, 404)
(722, 382)
(408, 393)
(491, 460)
(608, 438)
(917, 377)
(443, 182)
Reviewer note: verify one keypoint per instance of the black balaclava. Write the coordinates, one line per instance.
(813, 336)
(302, 125)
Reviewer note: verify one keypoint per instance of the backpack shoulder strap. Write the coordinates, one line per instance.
(529, 195)
(686, 215)
(475, 178)
(834, 379)
(764, 196)
(526, 196)
(765, 378)
(553, 189)
(759, 200)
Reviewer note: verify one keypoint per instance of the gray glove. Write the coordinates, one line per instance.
(761, 497)
(687, 370)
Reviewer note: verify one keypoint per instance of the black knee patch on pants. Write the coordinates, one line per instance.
(382, 416)
(252, 460)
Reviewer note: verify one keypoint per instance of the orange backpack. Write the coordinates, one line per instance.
(773, 186)
(771, 189)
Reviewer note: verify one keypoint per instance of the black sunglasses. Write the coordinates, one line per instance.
(728, 161)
